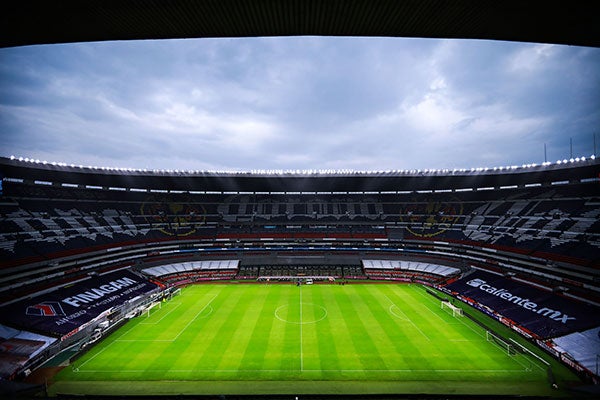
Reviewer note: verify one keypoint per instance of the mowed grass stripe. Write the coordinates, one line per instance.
(360, 322)
(242, 326)
(325, 343)
(417, 346)
(220, 329)
(190, 331)
(319, 350)
(278, 332)
(188, 345)
(162, 354)
(310, 357)
(340, 331)
(432, 352)
(160, 357)
(258, 344)
(291, 319)
(384, 330)
(316, 355)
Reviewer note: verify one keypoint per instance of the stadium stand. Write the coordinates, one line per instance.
(581, 347)
(556, 225)
(190, 272)
(542, 313)
(18, 348)
(408, 271)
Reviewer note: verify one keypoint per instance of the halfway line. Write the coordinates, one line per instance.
(301, 351)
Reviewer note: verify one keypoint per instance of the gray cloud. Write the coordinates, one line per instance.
(298, 103)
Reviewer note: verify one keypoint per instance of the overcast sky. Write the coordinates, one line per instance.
(299, 103)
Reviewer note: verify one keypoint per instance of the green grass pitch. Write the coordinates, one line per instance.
(281, 338)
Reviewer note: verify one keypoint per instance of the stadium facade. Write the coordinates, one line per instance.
(83, 248)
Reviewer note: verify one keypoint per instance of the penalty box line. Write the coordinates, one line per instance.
(163, 317)
(408, 318)
(429, 299)
(196, 316)
(177, 336)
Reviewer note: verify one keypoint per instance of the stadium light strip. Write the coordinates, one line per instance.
(309, 172)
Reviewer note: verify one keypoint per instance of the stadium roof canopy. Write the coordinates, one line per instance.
(28, 22)
(577, 170)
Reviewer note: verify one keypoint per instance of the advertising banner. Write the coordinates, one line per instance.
(67, 309)
(541, 312)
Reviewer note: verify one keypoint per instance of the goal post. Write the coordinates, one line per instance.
(151, 306)
(170, 293)
(500, 342)
(456, 311)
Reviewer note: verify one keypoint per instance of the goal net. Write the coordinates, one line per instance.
(456, 311)
(500, 342)
(150, 307)
(174, 293)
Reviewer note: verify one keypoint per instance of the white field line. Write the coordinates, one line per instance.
(196, 316)
(535, 356)
(301, 349)
(458, 319)
(144, 340)
(126, 332)
(469, 371)
(391, 310)
(92, 357)
(180, 332)
(407, 318)
(437, 315)
(163, 317)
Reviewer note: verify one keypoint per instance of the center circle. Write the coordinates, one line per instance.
(301, 313)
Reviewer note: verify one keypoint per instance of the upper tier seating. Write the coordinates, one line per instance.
(40, 221)
(40, 224)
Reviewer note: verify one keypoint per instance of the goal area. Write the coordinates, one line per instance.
(500, 342)
(456, 311)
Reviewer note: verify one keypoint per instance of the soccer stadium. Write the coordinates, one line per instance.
(299, 284)
(395, 282)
